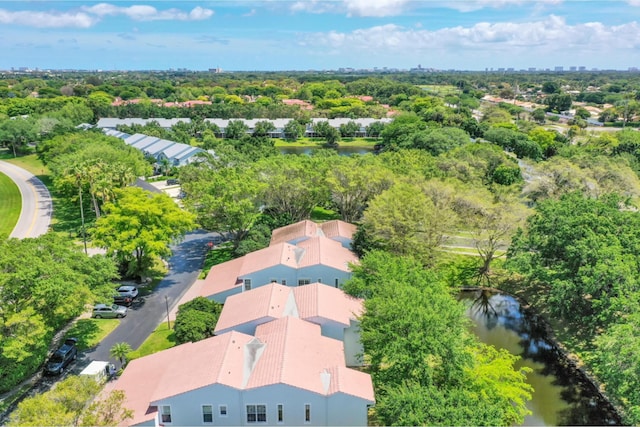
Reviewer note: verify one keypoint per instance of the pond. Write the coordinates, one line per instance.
(563, 395)
(342, 150)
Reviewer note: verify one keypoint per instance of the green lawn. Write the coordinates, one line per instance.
(160, 339)
(322, 214)
(10, 205)
(90, 332)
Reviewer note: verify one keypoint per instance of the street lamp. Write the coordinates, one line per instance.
(166, 300)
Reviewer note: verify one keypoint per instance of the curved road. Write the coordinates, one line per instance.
(37, 205)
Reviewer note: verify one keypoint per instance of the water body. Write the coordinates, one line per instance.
(342, 150)
(563, 395)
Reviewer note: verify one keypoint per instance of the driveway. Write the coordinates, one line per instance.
(145, 316)
(37, 206)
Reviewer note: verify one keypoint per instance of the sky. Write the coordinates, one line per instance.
(319, 35)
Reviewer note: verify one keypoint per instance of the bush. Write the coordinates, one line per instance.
(196, 320)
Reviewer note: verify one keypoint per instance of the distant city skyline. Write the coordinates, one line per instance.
(274, 35)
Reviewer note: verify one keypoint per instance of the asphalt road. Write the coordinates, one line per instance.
(37, 205)
(145, 315)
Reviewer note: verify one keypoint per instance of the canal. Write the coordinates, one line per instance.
(563, 395)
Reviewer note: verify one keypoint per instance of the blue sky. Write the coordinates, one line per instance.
(319, 35)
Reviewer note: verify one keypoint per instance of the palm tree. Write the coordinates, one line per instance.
(120, 351)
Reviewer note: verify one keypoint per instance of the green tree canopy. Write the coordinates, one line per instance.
(139, 226)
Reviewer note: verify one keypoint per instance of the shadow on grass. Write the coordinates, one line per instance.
(215, 257)
(89, 332)
(322, 214)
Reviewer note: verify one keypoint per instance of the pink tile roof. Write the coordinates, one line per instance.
(321, 301)
(268, 301)
(165, 374)
(223, 277)
(297, 355)
(313, 251)
(337, 228)
(306, 228)
(321, 250)
(294, 231)
(314, 301)
(290, 351)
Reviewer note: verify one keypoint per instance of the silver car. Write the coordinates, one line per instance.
(109, 311)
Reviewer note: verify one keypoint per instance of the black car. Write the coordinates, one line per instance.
(62, 357)
(122, 300)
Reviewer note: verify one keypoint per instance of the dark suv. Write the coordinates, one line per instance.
(62, 357)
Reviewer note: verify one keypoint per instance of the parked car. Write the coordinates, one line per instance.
(62, 357)
(120, 299)
(109, 311)
(173, 181)
(128, 291)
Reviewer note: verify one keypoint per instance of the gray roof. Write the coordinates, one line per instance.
(158, 146)
(188, 153)
(145, 142)
(130, 140)
(112, 122)
(176, 149)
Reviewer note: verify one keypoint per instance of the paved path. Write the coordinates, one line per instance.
(37, 205)
(143, 318)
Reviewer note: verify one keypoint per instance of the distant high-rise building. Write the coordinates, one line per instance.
(573, 68)
(559, 68)
(582, 68)
(532, 68)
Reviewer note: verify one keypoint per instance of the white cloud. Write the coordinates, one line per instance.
(550, 34)
(634, 2)
(382, 8)
(149, 13)
(47, 19)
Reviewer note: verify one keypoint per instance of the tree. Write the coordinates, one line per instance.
(426, 368)
(196, 320)
(120, 351)
(236, 129)
(34, 297)
(293, 130)
(263, 128)
(353, 182)
(349, 129)
(539, 115)
(139, 226)
(224, 200)
(375, 129)
(558, 102)
(405, 221)
(550, 87)
(16, 133)
(583, 113)
(72, 402)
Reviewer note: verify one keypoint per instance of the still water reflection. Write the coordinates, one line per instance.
(562, 396)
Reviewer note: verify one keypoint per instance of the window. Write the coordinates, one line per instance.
(307, 413)
(319, 280)
(336, 282)
(302, 282)
(273, 281)
(247, 284)
(256, 413)
(284, 282)
(207, 413)
(165, 414)
(280, 413)
(223, 410)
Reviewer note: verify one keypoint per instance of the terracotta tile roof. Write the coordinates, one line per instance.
(313, 251)
(286, 351)
(311, 302)
(266, 302)
(291, 232)
(337, 228)
(181, 369)
(297, 355)
(321, 301)
(324, 251)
